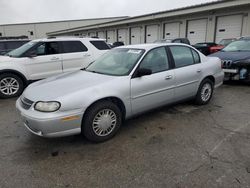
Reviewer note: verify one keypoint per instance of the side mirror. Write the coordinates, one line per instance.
(143, 72)
(32, 54)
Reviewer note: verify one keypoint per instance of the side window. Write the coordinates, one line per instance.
(156, 60)
(51, 48)
(40, 50)
(196, 56)
(73, 47)
(100, 45)
(182, 56)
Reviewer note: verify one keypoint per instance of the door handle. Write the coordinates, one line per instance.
(198, 71)
(86, 55)
(54, 58)
(168, 77)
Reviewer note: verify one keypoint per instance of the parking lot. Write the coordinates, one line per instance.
(178, 146)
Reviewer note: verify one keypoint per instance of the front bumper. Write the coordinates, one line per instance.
(54, 124)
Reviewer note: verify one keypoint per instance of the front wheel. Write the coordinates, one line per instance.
(10, 85)
(101, 121)
(205, 92)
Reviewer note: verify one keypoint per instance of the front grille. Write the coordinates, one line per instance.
(26, 103)
(226, 63)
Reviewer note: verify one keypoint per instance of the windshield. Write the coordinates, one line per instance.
(236, 46)
(117, 62)
(19, 51)
(225, 42)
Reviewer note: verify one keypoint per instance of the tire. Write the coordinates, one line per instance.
(109, 117)
(205, 92)
(11, 85)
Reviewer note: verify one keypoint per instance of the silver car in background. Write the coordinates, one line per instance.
(122, 83)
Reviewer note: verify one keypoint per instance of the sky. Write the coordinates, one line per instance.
(26, 11)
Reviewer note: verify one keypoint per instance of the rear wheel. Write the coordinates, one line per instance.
(101, 121)
(10, 85)
(205, 92)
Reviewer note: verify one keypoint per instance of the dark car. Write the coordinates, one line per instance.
(116, 44)
(177, 40)
(7, 45)
(222, 44)
(205, 47)
(236, 60)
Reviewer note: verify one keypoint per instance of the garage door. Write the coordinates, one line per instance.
(228, 27)
(123, 35)
(152, 33)
(197, 30)
(172, 30)
(136, 35)
(111, 36)
(101, 34)
(92, 34)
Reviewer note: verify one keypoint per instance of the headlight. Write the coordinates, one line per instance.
(51, 106)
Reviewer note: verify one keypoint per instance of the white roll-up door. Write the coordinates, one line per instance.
(101, 35)
(92, 34)
(197, 31)
(172, 30)
(123, 35)
(111, 36)
(228, 27)
(152, 33)
(136, 35)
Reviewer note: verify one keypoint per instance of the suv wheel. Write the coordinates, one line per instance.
(10, 85)
(205, 92)
(102, 121)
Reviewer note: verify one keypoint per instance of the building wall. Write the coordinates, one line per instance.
(40, 29)
(209, 16)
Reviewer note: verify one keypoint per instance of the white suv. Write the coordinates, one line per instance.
(43, 58)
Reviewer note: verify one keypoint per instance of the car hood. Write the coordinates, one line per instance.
(4, 59)
(65, 84)
(234, 56)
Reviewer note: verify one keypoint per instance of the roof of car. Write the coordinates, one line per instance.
(150, 46)
(67, 39)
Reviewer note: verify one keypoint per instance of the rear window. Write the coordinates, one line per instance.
(14, 44)
(100, 45)
(73, 47)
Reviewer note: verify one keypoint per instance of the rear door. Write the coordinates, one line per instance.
(153, 90)
(75, 55)
(188, 71)
(47, 62)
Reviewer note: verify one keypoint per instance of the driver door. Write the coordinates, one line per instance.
(153, 90)
(47, 61)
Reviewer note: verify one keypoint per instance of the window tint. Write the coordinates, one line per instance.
(100, 45)
(2, 46)
(73, 46)
(52, 48)
(182, 56)
(156, 60)
(13, 44)
(196, 56)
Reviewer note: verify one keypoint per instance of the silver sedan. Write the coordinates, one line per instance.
(124, 82)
